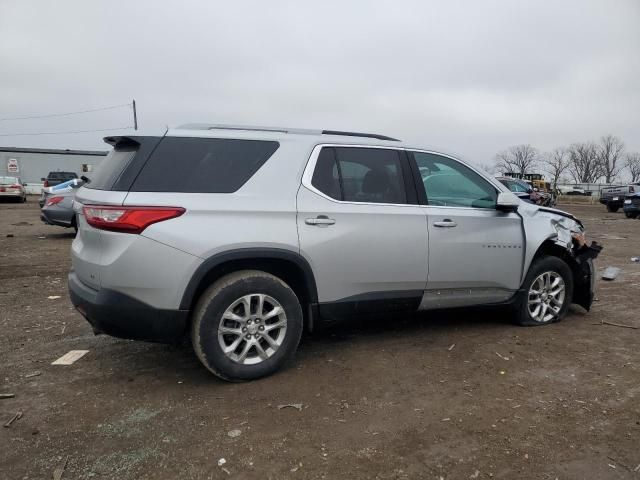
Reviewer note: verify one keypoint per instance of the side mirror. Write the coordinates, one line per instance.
(507, 202)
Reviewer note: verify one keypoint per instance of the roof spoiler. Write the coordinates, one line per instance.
(119, 141)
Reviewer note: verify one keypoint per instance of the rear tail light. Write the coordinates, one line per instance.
(53, 201)
(128, 219)
(17, 185)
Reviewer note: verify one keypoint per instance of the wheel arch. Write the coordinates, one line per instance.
(581, 290)
(289, 266)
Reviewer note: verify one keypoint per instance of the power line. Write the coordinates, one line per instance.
(64, 133)
(67, 113)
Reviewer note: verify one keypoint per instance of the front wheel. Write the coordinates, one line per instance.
(612, 208)
(246, 325)
(630, 214)
(546, 292)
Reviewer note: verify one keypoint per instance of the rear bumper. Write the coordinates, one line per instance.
(119, 315)
(54, 215)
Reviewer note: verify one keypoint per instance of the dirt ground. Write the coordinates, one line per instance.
(461, 395)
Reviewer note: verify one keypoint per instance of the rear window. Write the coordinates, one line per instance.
(62, 175)
(199, 165)
(111, 167)
(8, 180)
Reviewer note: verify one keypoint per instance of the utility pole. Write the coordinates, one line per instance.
(135, 116)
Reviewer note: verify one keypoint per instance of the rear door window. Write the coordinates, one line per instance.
(202, 165)
(366, 175)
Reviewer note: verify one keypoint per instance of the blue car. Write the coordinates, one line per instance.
(631, 206)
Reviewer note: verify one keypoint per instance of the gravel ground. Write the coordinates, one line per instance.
(455, 396)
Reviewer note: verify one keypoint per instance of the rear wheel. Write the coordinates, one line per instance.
(546, 292)
(612, 208)
(630, 214)
(246, 325)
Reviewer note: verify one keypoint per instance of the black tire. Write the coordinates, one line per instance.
(538, 267)
(213, 303)
(612, 208)
(630, 214)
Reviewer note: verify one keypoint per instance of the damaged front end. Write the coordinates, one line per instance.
(558, 233)
(570, 236)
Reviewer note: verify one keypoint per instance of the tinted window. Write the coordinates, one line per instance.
(325, 176)
(197, 165)
(450, 183)
(111, 167)
(62, 175)
(370, 175)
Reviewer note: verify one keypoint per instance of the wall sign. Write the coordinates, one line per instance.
(12, 165)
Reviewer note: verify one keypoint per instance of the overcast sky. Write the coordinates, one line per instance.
(468, 77)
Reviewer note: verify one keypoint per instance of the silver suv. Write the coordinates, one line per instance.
(245, 236)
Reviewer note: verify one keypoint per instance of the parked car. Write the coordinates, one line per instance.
(12, 187)
(613, 197)
(58, 205)
(571, 190)
(55, 178)
(266, 232)
(631, 206)
(520, 188)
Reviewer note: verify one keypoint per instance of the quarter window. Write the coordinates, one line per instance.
(367, 175)
(450, 183)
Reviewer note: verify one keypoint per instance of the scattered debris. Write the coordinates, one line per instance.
(7, 395)
(234, 433)
(476, 474)
(446, 419)
(9, 235)
(226, 471)
(610, 273)
(54, 297)
(637, 469)
(502, 372)
(41, 237)
(70, 357)
(502, 356)
(59, 470)
(635, 259)
(298, 406)
(451, 347)
(296, 468)
(221, 462)
(33, 374)
(17, 416)
(604, 322)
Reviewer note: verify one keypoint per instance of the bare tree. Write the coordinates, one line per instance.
(610, 155)
(487, 167)
(632, 162)
(584, 163)
(517, 159)
(556, 163)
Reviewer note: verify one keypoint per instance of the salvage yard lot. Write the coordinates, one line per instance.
(458, 395)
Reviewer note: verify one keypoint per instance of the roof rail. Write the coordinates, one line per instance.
(359, 134)
(250, 128)
(299, 131)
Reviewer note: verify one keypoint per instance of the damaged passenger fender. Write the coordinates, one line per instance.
(549, 232)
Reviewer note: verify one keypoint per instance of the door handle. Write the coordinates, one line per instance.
(446, 223)
(320, 220)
